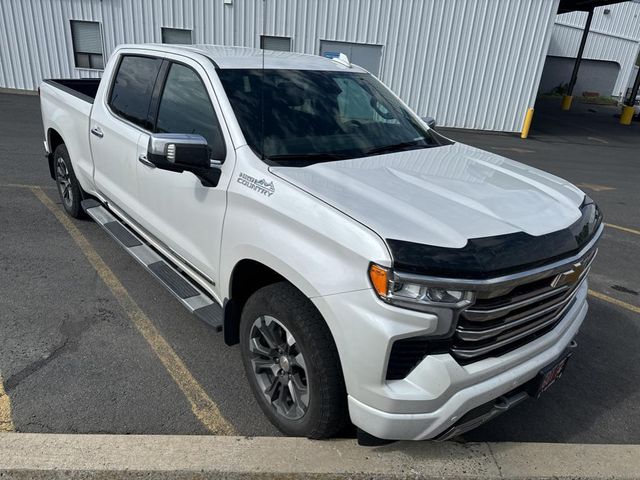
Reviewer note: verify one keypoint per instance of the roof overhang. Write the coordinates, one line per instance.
(584, 5)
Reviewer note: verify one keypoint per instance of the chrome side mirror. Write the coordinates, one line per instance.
(178, 150)
(182, 152)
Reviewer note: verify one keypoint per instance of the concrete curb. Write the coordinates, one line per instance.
(53, 456)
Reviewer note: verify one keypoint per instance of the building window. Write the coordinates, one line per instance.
(87, 44)
(365, 55)
(176, 36)
(281, 44)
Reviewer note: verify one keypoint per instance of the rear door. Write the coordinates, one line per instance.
(117, 123)
(175, 207)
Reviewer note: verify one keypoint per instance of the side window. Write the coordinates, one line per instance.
(131, 92)
(185, 108)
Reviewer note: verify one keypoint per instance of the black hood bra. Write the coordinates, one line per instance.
(488, 257)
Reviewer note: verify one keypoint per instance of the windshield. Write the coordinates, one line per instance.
(316, 116)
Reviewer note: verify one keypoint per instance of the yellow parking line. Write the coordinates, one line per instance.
(615, 301)
(22, 185)
(624, 229)
(6, 424)
(594, 187)
(202, 405)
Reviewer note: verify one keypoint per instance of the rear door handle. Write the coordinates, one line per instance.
(97, 131)
(143, 160)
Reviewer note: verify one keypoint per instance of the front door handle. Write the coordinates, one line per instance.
(143, 160)
(97, 131)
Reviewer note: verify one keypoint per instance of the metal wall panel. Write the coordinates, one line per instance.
(613, 37)
(470, 63)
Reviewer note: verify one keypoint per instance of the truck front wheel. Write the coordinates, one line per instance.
(292, 363)
(68, 185)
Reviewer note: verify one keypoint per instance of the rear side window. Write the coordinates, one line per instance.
(131, 92)
(185, 108)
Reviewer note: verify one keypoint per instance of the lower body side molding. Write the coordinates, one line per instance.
(189, 294)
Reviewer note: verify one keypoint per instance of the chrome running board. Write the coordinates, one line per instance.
(189, 294)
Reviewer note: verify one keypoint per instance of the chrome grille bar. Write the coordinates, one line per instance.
(486, 314)
(530, 307)
(475, 335)
(470, 353)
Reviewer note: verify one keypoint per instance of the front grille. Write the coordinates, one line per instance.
(506, 314)
(500, 321)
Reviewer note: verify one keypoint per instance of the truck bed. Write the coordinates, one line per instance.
(83, 88)
(66, 113)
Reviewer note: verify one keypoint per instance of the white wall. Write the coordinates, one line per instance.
(470, 63)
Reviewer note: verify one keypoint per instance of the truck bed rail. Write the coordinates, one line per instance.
(83, 88)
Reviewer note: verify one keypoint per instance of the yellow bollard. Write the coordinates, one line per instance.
(627, 115)
(527, 123)
(566, 102)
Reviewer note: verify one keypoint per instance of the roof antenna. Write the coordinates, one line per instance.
(264, 29)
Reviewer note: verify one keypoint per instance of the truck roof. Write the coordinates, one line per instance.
(226, 57)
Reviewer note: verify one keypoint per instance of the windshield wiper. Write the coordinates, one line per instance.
(327, 157)
(309, 157)
(398, 147)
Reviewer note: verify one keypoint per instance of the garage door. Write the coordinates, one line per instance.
(594, 76)
(363, 54)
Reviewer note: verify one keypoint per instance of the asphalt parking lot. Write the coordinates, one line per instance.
(76, 359)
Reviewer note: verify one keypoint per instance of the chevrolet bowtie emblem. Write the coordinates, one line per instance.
(570, 277)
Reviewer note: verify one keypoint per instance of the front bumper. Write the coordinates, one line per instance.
(439, 391)
(482, 414)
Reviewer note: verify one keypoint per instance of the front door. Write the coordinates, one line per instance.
(175, 207)
(116, 127)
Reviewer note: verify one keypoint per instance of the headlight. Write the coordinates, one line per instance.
(414, 295)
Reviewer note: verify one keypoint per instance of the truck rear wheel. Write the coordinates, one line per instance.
(292, 363)
(68, 185)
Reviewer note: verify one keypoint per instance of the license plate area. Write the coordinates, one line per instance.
(549, 375)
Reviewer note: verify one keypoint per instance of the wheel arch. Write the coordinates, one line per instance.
(248, 276)
(54, 140)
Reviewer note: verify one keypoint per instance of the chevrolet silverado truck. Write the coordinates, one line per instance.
(371, 270)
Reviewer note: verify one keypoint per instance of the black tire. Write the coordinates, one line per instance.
(326, 411)
(69, 189)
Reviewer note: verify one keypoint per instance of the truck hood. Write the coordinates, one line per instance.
(442, 196)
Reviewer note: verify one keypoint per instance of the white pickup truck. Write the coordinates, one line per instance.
(369, 268)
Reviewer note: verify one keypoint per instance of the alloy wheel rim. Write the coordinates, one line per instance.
(279, 367)
(64, 182)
